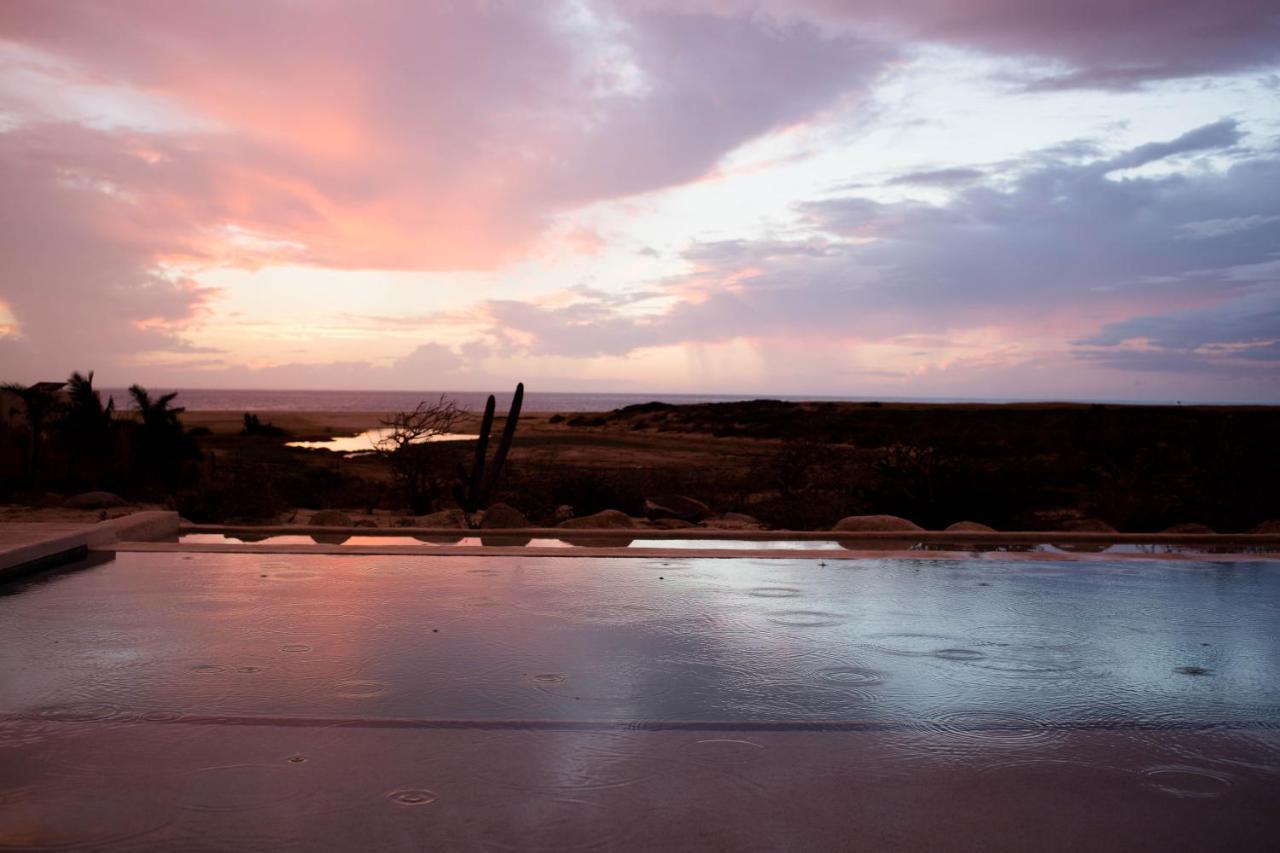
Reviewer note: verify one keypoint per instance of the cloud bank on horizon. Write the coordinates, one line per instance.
(983, 198)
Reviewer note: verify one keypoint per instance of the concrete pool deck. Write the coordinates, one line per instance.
(26, 546)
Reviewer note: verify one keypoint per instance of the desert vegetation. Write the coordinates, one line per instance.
(788, 465)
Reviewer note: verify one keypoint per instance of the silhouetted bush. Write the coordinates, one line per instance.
(254, 426)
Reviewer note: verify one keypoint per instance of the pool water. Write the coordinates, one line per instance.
(236, 700)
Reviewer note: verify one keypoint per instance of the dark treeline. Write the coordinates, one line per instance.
(1010, 466)
(65, 438)
(790, 465)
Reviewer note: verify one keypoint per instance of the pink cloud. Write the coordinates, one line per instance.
(414, 135)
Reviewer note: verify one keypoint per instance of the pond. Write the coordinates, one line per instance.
(366, 441)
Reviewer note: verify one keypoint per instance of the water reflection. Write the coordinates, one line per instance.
(733, 639)
(367, 441)
(233, 693)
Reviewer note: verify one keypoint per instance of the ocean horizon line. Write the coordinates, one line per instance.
(355, 400)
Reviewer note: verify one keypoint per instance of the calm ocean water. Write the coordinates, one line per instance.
(231, 399)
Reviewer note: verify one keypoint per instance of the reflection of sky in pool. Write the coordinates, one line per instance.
(365, 441)
(258, 701)
(655, 638)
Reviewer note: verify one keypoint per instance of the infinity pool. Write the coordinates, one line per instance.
(212, 701)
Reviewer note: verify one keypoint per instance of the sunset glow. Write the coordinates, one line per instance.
(982, 198)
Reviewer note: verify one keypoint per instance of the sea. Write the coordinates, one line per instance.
(256, 400)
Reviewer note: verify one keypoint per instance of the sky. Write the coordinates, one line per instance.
(943, 198)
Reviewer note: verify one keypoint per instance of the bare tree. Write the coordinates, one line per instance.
(420, 468)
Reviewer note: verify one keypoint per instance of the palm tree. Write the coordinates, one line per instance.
(40, 404)
(156, 415)
(163, 442)
(88, 424)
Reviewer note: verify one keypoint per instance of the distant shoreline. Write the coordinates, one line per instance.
(318, 424)
(273, 401)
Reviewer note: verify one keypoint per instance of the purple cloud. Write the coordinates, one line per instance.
(1059, 247)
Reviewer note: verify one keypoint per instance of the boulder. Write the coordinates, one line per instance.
(676, 506)
(1085, 525)
(330, 518)
(452, 518)
(444, 518)
(969, 527)
(1190, 527)
(732, 521)
(964, 527)
(95, 500)
(609, 519)
(564, 512)
(875, 524)
(503, 517)
(672, 524)
(364, 522)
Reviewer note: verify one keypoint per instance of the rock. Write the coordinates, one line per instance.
(564, 512)
(503, 517)
(964, 527)
(444, 518)
(96, 500)
(330, 518)
(609, 519)
(1085, 525)
(1189, 527)
(364, 522)
(676, 506)
(672, 524)
(969, 527)
(874, 524)
(732, 521)
(452, 518)
(1271, 526)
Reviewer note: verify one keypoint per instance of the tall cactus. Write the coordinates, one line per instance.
(474, 489)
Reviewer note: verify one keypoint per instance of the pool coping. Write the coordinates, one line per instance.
(38, 546)
(575, 552)
(959, 537)
(41, 545)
